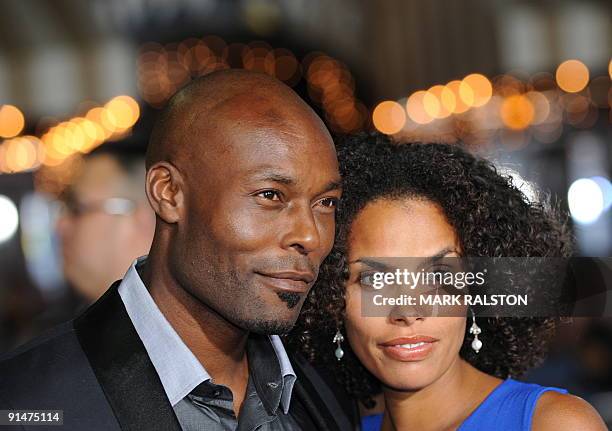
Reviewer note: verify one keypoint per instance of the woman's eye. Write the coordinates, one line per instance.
(269, 195)
(438, 277)
(366, 279)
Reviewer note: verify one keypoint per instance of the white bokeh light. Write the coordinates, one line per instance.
(586, 200)
(606, 189)
(9, 218)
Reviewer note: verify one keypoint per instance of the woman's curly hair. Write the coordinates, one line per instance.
(492, 218)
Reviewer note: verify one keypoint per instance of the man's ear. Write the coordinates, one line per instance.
(164, 186)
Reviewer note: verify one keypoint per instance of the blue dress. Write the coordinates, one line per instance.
(509, 407)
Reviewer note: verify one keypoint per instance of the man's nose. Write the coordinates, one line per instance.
(303, 233)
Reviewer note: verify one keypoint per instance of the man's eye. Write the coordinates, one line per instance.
(269, 195)
(329, 202)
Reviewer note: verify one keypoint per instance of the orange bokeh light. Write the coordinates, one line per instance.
(415, 108)
(439, 101)
(475, 90)
(460, 106)
(389, 117)
(122, 112)
(517, 112)
(323, 71)
(3, 167)
(283, 64)
(431, 105)
(11, 121)
(572, 76)
(21, 153)
(254, 58)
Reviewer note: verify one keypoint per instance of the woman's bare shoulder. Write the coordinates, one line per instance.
(563, 412)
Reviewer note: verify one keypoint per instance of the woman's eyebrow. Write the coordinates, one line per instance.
(374, 264)
(381, 266)
(439, 255)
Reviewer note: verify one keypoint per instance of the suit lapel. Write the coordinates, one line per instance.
(122, 366)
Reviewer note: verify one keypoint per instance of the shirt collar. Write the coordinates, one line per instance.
(178, 368)
(266, 362)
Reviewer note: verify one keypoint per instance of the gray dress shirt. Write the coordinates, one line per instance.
(198, 402)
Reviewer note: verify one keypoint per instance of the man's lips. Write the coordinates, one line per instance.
(292, 281)
(409, 349)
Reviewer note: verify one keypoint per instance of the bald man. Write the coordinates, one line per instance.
(243, 179)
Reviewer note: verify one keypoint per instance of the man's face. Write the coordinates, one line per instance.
(260, 219)
(98, 247)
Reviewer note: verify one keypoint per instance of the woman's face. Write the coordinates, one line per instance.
(404, 351)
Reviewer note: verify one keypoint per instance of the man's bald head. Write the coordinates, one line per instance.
(244, 180)
(220, 99)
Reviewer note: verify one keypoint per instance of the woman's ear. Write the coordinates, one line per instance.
(164, 187)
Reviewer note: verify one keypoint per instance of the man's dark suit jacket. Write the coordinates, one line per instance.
(96, 369)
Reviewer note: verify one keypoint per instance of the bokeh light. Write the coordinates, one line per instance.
(283, 64)
(572, 76)
(80, 134)
(389, 117)
(541, 106)
(606, 189)
(9, 218)
(415, 108)
(542, 81)
(576, 108)
(122, 112)
(11, 121)
(585, 200)
(460, 106)
(22, 153)
(431, 105)
(345, 116)
(599, 88)
(517, 112)
(507, 85)
(447, 99)
(254, 58)
(3, 168)
(331, 85)
(475, 90)
(163, 69)
(549, 131)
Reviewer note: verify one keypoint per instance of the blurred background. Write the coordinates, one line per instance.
(523, 83)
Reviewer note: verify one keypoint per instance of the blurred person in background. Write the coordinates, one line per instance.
(106, 221)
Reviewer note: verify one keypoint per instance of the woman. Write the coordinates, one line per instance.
(423, 200)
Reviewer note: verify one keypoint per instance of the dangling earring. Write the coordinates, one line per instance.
(338, 338)
(475, 330)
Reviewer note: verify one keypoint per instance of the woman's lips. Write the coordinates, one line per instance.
(409, 349)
